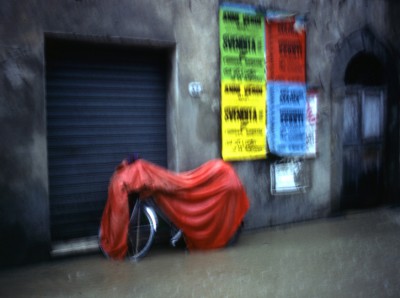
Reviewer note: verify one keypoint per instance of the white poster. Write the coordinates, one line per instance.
(311, 123)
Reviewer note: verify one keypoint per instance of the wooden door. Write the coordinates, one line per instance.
(363, 147)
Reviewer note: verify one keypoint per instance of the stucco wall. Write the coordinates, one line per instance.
(190, 28)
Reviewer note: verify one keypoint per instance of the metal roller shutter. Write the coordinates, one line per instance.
(103, 104)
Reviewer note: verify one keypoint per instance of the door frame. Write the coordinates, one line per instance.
(357, 42)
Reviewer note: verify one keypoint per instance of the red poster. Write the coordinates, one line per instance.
(286, 51)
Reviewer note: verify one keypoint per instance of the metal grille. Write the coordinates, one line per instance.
(103, 104)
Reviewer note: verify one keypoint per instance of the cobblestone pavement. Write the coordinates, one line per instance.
(355, 255)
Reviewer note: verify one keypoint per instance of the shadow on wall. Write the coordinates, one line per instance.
(14, 249)
(17, 249)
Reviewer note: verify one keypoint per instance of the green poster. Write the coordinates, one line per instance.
(242, 45)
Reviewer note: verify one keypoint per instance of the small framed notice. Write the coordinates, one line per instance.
(289, 177)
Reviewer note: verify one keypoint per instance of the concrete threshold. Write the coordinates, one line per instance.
(75, 246)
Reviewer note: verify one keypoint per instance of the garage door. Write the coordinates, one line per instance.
(103, 104)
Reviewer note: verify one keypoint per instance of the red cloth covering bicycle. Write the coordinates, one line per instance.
(208, 203)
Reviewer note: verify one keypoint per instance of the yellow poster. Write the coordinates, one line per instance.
(243, 120)
(243, 83)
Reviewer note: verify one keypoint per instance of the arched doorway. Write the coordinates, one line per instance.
(364, 118)
(364, 136)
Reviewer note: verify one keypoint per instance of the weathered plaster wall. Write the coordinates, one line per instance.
(197, 54)
(23, 177)
(193, 124)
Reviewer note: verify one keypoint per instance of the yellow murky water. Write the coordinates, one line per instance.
(353, 256)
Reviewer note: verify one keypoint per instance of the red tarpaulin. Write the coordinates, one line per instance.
(208, 203)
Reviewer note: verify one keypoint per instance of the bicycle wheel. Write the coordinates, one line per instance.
(141, 230)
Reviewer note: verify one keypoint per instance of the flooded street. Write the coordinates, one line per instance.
(357, 255)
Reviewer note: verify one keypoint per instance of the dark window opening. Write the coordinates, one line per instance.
(364, 69)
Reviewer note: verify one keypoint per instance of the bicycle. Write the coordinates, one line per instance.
(143, 225)
(207, 203)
